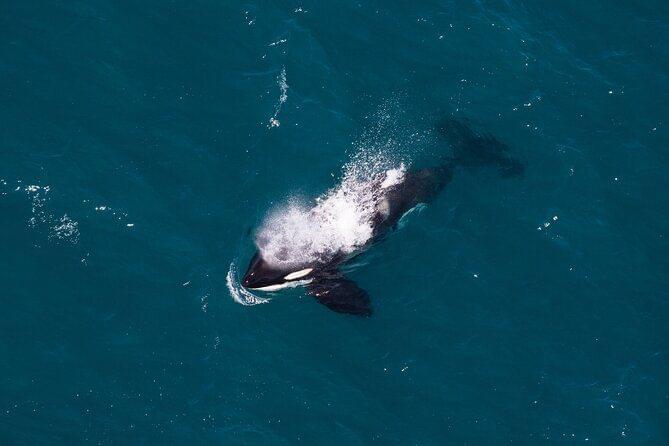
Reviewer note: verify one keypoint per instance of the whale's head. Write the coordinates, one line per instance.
(261, 275)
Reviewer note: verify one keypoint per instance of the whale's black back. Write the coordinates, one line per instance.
(468, 149)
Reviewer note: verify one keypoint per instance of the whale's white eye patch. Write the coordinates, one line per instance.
(298, 274)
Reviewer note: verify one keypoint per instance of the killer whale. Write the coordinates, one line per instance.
(395, 193)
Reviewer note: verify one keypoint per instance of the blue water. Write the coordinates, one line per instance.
(139, 150)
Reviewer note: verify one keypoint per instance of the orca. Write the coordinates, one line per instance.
(395, 193)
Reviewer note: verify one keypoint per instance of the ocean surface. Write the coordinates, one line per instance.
(143, 143)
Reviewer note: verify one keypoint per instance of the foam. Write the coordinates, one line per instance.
(283, 88)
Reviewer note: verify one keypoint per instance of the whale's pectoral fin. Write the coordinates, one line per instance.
(341, 295)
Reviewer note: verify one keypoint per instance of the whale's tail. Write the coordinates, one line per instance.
(471, 149)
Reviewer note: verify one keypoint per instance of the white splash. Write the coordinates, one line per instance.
(283, 88)
(38, 196)
(393, 177)
(240, 294)
(65, 229)
(278, 42)
(341, 221)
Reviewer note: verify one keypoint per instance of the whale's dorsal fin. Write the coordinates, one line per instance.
(341, 295)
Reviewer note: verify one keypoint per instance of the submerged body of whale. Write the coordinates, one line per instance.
(386, 197)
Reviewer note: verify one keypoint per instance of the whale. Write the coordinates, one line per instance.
(386, 197)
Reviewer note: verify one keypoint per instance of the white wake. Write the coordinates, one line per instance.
(240, 294)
